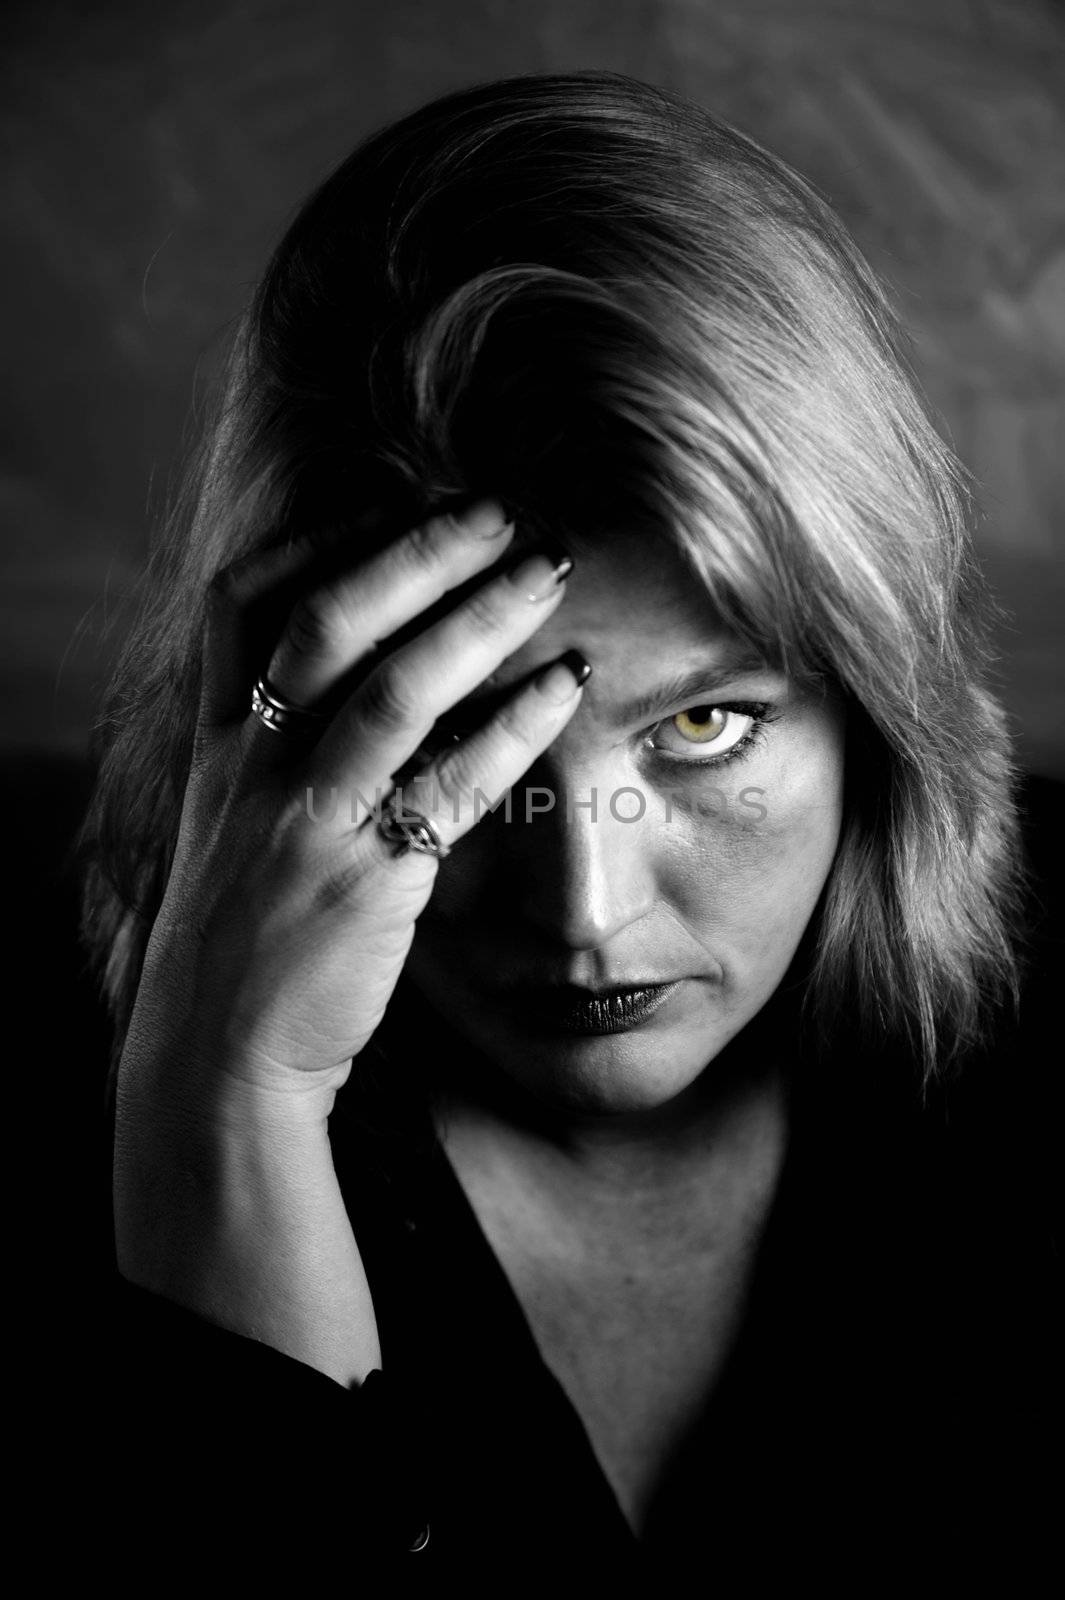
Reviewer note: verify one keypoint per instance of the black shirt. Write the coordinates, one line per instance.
(888, 1406)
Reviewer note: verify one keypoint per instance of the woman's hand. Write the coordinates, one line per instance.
(284, 928)
(285, 924)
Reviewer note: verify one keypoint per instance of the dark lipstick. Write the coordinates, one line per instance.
(569, 1009)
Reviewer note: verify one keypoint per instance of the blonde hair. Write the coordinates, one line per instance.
(592, 298)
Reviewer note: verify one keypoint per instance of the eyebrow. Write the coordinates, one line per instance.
(689, 688)
(695, 685)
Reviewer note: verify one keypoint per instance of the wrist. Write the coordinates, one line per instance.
(209, 1176)
(193, 1049)
(184, 1072)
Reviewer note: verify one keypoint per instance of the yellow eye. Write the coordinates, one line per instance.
(700, 723)
(720, 729)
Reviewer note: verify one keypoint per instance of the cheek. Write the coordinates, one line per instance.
(747, 861)
(469, 884)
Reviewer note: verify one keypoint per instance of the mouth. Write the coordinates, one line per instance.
(569, 1009)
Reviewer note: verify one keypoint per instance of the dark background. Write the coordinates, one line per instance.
(154, 153)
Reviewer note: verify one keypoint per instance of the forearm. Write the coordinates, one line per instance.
(236, 1214)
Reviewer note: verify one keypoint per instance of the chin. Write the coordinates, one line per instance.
(640, 1070)
(598, 1084)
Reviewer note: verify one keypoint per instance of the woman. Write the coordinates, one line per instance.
(552, 822)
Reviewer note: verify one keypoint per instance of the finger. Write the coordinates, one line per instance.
(246, 604)
(389, 714)
(339, 624)
(470, 780)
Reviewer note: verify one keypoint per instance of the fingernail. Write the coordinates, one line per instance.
(485, 519)
(560, 681)
(539, 575)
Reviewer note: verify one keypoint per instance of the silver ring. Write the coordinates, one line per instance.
(408, 829)
(279, 715)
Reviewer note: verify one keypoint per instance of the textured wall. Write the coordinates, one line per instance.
(154, 152)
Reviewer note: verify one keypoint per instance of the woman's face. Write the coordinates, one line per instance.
(652, 843)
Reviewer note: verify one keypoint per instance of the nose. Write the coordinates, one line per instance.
(583, 869)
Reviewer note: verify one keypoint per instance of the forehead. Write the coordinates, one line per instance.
(640, 616)
(633, 588)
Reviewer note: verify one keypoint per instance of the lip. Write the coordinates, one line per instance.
(567, 1008)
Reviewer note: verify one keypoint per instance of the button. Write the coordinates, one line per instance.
(421, 1539)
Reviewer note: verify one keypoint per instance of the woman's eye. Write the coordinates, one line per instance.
(706, 731)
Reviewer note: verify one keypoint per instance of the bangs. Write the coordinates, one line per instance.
(593, 418)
